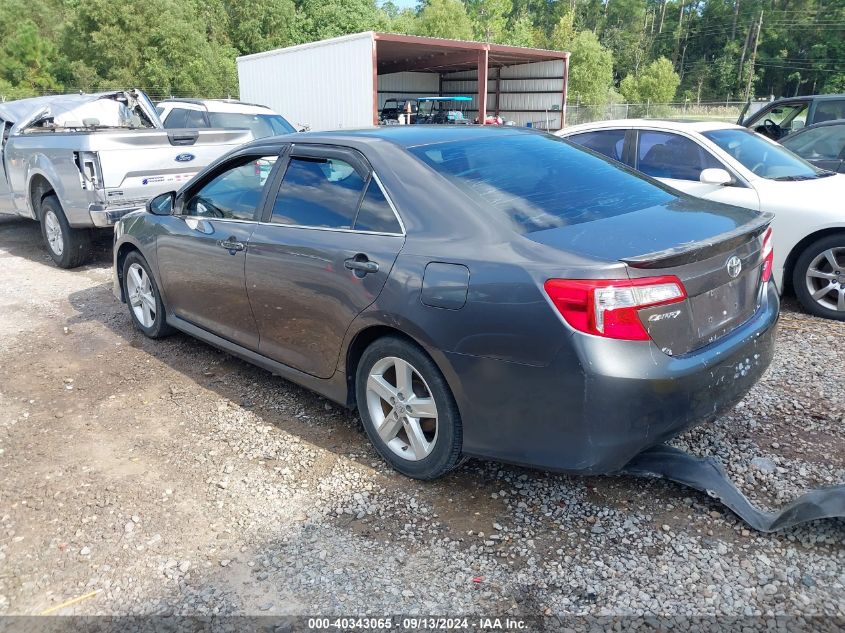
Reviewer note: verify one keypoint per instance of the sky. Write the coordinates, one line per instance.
(405, 4)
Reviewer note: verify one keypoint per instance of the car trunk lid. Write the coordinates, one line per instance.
(722, 277)
(715, 251)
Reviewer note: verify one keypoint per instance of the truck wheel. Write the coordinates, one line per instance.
(819, 277)
(69, 247)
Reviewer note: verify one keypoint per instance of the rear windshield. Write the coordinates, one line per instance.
(541, 182)
(261, 124)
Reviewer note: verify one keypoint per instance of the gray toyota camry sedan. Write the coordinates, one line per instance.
(480, 291)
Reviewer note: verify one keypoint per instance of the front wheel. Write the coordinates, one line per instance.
(69, 247)
(143, 297)
(819, 277)
(407, 409)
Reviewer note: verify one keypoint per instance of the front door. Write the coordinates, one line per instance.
(678, 161)
(323, 254)
(202, 250)
(6, 205)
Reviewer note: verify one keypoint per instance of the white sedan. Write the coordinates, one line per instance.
(730, 164)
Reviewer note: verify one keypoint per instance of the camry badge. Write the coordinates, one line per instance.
(734, 266)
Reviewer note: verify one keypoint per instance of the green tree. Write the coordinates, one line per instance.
(159, 45)
(444, 18)
(521, 31)
(322, 19)
(261, 26)
(590, 64)
(658, 83)
(489, 19)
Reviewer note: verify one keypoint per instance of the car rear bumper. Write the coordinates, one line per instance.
(602, 401)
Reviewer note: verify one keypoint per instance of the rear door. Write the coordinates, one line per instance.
(322, 254)
(678, 161)
(201, 252)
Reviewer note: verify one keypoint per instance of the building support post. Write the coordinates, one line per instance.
(565, 93)
(375, 83)
(483, 56)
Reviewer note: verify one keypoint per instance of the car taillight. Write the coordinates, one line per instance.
(609, 307)
(768, 256)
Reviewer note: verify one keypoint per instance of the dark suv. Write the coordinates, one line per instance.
(784, 116)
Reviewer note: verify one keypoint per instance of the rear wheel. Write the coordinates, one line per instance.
(143, 297)
(407, 409)
(819, 277)
(69, 247)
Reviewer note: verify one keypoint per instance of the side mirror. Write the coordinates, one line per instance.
(715, 176)
(162, 204)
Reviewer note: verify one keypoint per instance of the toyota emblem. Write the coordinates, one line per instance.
(734, 267)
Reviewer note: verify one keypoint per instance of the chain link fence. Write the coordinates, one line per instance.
(727, 111)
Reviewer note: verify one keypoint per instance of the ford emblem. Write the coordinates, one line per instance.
(734, 266)
(185, 158)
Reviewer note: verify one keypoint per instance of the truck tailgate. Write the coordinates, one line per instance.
(141, 164)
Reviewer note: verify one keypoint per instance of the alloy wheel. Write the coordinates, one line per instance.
(139, 290)
(825, 279)
(402, 408)
(54, 235)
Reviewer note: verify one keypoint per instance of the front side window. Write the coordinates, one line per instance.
(667, 155)
(763, 157)
(318, 192)
(789, 116)
(607, 142)
(233, 194)
(821, 143)
(537, 182)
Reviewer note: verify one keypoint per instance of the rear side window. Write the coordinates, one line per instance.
(195, 118)
(607, 142)
(538, 182)
(665, 155)
(176, 118)
(829, 110)
(375, 213)
(318, 192)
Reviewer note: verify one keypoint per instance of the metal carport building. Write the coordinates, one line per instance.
(344, 81)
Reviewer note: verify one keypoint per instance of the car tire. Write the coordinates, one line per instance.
(143, 297)
(418, 446)
(822, 266)
(69, 247)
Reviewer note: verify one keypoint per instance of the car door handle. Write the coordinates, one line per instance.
(232, 244)
(361, 264)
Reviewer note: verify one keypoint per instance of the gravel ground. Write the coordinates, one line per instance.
(172, 478)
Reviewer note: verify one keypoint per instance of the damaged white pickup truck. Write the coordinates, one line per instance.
(79, 162)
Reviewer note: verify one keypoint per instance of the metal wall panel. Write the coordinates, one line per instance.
(406, 85)
(531, 93)
(326, 85)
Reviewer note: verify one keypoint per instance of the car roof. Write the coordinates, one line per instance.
(223, 105)
(838, 96)
(663, 124)
(406, 136)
